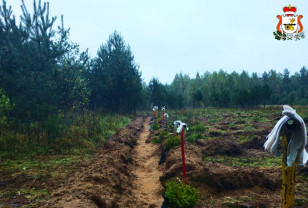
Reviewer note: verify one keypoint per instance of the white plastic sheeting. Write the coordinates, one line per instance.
(296, 148)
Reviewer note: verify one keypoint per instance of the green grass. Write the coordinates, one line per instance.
(173, 141)
(249, 128)
(232, 125)
(300, 202)
(155, 126)
(303, 177)
(156, 140)
(33, 195)
(44, 165)
(192, 137)
(229, 201)
(245, 139)
(212, 201)
(212, 121)
(55, 136)
(198, 127)
(162, 135)
(217, 132)
(267, 162)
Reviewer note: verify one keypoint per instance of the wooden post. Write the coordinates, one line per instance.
(183, 156)
(288, 175)
(163, 118)
(156, 116)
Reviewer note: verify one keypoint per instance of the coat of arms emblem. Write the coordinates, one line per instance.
(289, 26)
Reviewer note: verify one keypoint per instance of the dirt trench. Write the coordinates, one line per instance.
(124, 174)
(148, 187)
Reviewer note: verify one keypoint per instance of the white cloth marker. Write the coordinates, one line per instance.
(296, 148)
(180, 126)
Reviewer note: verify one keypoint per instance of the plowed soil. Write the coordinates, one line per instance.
(228, 184)
(125, 174)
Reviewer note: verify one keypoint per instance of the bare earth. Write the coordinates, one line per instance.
(148, 187)
(124, 174)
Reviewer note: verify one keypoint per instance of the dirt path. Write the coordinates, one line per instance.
(148, 187)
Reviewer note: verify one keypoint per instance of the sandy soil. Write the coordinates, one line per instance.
(148, 187)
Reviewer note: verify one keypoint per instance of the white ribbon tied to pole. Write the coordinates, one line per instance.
(180, 126)
(166, 115)
(296, 148)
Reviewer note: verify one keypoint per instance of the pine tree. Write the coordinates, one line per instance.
(115, 78)
(34, 63)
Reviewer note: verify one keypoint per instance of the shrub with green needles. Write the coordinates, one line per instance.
(180, 195)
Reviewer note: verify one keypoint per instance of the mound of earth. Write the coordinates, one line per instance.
(222, 177)
(219, 146)
(108, 181)
(219, 176)
(173, 163)
(257, 142)
(222, 185)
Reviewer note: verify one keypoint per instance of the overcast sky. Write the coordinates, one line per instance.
(188, 36)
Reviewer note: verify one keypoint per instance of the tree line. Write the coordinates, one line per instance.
(221, 89)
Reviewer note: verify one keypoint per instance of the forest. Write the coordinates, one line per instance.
(48, 85)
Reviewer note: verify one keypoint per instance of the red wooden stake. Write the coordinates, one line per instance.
(163, 118)
(183, 156)
(156, 118)
(154, 115)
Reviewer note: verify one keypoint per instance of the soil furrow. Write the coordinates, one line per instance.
(148, 187)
